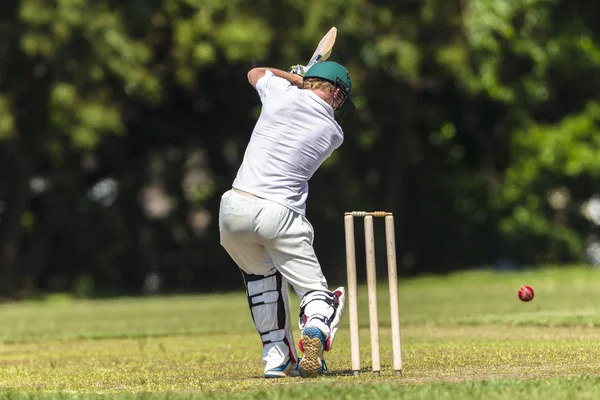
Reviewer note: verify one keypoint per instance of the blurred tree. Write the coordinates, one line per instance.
(539, 60)
(122, 123)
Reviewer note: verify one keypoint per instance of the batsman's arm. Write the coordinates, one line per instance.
(256, 73)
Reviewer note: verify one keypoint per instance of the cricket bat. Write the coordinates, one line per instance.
(323, 50)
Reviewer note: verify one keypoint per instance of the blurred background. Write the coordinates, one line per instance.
(123, 121)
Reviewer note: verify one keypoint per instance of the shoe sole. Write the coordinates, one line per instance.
(275, 375)
(310, 365)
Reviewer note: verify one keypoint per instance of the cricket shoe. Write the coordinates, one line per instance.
(289, 368)
(311, 344)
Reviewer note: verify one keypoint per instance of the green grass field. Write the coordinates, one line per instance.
(463, 336)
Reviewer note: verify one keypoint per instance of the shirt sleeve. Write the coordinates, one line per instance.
(269, 83)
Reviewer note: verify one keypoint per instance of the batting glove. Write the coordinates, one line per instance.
(298, 69)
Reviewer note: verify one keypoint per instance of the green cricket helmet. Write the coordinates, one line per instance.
(338, 76)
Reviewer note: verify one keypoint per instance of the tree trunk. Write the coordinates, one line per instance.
(10, 224)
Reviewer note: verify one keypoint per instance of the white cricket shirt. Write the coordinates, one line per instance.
(295, 133)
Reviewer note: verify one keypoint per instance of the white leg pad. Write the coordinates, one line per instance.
(323, 310)
(268, 298)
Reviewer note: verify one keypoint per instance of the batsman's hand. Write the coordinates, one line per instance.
(298, 69)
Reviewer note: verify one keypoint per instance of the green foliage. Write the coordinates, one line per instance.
(537, 57)
(493, 33)
(550, 158)
(85, 44)
(471, 115)
(85, 121)
(7, 122)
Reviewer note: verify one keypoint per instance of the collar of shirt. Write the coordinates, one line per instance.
(319, 100)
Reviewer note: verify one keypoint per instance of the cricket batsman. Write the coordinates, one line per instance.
(262, 219)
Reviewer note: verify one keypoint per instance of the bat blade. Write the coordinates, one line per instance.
(323, 50)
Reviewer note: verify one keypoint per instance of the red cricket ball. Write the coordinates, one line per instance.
(526, 293)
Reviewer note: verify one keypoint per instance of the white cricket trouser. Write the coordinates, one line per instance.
(266, 238)
(262, 236)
